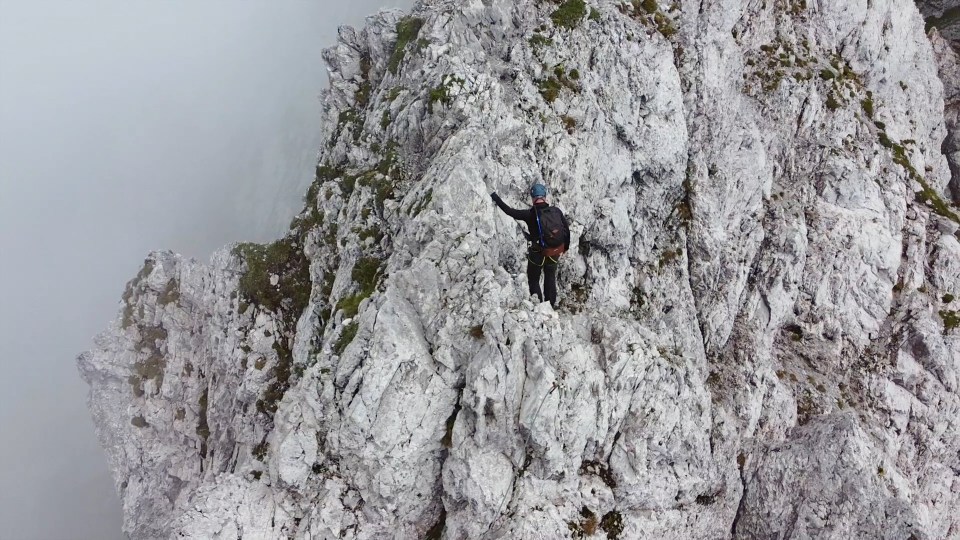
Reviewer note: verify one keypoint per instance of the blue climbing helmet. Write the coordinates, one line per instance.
(538, 191)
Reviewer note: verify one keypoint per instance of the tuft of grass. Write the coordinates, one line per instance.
(550, 89)
(346, 337)
(867, 104)
(947, 298)
(394, 93)
(951, 319)
(594, 14)
(365, 273)
(832, 103)
(285, 260)
(540, 40)
(441, 93)
(570, 14)
(408, 29)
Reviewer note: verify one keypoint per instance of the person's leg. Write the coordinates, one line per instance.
(533, 276)
(550, 283)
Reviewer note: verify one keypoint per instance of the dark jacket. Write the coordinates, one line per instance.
(529, 216)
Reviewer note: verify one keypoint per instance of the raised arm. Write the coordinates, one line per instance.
(512, 212)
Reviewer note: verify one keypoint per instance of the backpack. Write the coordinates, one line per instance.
(554, 233)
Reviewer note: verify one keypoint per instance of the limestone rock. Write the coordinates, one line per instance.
(756, 332)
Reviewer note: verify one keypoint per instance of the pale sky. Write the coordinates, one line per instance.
(128, 126)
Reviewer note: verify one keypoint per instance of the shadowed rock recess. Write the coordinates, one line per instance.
(758, 331)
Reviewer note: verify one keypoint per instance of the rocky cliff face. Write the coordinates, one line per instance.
(757, 331)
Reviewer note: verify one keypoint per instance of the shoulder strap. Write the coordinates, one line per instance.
(539, 228)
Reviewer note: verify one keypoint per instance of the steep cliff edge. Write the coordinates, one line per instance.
(757, 331)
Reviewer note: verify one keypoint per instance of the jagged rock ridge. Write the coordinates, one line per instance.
(756, 337)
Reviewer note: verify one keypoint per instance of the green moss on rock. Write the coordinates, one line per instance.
(570, 14)
(408, 29)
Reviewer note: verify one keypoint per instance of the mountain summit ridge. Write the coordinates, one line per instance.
(756, 333)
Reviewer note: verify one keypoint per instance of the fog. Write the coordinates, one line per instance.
(128, 126)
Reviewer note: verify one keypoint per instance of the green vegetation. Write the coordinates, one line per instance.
(416, 209)
(594, 14)
(346, 337)
(132, 292)
(280, 378)
(927, 195)
(362, 96)
(832, 102)
(867, 104)
(951, 319)
(551, 87)
(569, 14)
(282, 261)
(441, 93)
(649, 13)
(540, 40)
(947, 298)
(408, 29)
(365, 274)
(394, 93)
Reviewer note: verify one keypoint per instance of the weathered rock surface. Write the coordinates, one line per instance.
(756, 337)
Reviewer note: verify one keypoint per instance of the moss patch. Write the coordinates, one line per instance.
(408, 29)
(927, 195)
(540, 40)
(649, 13)
(277, 276)
(346, 337)
(551, 87)
(951, 319)
(441, 93)
(570, 14)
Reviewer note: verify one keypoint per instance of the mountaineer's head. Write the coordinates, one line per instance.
(538, 192)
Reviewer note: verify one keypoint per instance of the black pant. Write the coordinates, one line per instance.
(536, 263)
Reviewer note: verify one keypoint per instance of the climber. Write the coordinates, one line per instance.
(549, 238)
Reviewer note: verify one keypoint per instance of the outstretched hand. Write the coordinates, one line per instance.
(494, 196)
